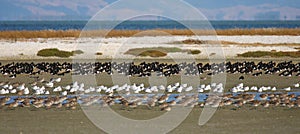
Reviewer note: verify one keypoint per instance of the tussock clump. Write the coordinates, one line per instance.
(153, 53)
(292, 54)
(54, 52)
(159, 51)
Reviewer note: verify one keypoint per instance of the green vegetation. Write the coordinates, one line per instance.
(153, 53)
(192, 41)
(194, 52)
(158, 51)
(293, 54)
(54, 52)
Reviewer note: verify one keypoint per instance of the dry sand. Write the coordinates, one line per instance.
(117, 46)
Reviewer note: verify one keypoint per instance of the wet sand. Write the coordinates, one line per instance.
(225, 120)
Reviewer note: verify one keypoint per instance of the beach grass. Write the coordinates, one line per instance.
(128, 33)
(293, 54)
(195, 41)
(54, 52)
(158, 51)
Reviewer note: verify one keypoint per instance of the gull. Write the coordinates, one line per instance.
(64, 93)
(57, 89)
(68, 87)
(26, 91)
(21, 87)
(47, 92)
(190, 88)
(176, 84)
(287, 89)
(297, 85)
(2, 91)
(56, 80)
(179, 89)
(49, 84)
(13, 91)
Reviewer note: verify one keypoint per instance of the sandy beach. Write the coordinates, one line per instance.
(117, 46)
(227, 119)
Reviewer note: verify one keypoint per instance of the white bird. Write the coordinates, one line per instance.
(87, 91)
(148, 90)
(190, 88)
(297, 85)
(49, 84)
(287, 89)
(176, 84)
(10, 87)
(81, 85)
(72, 90)
(13, 91)
(6, 91)
(154, 89)
(21, 87)
(246, 88)
(57, 79)
(170, 89)
(5, 86)
(213, 84)
(64, 93)
(68, 87)
(26, 91)
(179, 89)
(57, 89)
(47, 92)
(234, 90)
(207, 88)
(2, 91)
(161, 87)
(273, 89)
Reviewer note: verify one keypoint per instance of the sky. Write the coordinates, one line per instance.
(211, 9)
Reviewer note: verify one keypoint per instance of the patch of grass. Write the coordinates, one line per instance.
(292, 54)
(77, 52)
(54, 52)
(212, 54)
(153, 53)
(194, 52)
(158, 51)
(192, 41)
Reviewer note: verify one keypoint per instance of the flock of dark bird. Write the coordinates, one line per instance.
(286, 68)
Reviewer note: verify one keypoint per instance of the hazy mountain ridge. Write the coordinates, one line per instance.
(83, 10)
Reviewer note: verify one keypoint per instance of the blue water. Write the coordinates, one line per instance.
(142, 25)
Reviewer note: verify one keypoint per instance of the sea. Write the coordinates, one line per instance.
(143, 25)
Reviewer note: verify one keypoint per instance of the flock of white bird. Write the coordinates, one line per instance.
(138, 94)
(241, 88)
(47, 88)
